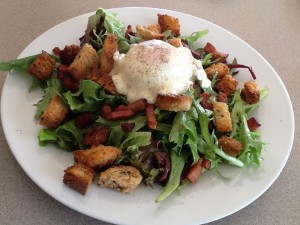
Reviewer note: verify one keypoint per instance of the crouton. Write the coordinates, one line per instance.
(230, 145)
(176, 42)
(42, 66)
(226, 85)
(85, 60)
(79, 177)
(174, 103)
(222, 116)
(167, 22)
(120, 178)
(55, 113)
(154, 28)
(97, 136)
(220, 69)
(250, 93)
(146, 34)
(97, 157)
(102, 79)
(109, 48)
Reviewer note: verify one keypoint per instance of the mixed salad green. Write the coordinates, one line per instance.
(182, 142)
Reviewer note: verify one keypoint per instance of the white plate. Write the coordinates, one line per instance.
(211, 198)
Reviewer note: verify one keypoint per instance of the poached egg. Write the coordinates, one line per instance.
(153, 68)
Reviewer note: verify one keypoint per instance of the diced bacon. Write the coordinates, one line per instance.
(119, 115)
(138, 106)
(209, 48)
(127, 127)
(151, 118)
(222, 97)
(206, 164)
(105, 110)
(83, 119)
(205, 102)
(56, 51)
(121, 108)
(195, 171)
(129, 32)
(253, 124)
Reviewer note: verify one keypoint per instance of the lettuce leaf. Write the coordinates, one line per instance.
(22, 64)
(195, 36)
(54, 87)
(86, 99)
(102, 22)
(204, 118)
(252, 147)
(19, 64)
(112, 24)
(67, 136)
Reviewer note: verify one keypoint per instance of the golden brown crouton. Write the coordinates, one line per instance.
(222, 116)
(109, 48)
(79, 177)
(97, 136)
(97, 157)
(55, 113)
(86, 59)
(154, 28)
(146, 34)
(220, 69)
(167, 22)
(42, 66)
(250, 93)
(174, 103)
(120, 178)
(226, 85)
(176, 42)
(102, 79)
(230, 145)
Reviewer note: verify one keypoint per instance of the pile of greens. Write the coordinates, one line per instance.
(181, 138)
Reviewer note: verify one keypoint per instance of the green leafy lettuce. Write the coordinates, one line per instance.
(54, 87)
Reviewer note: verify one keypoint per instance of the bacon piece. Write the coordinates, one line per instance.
(129, 32)
(68, 54)
(151, 118)
(105, 110)
(67, 81)
(209, 48)
(195, 171)
(119, 115)
(253, 124)
(127, 127)
(56, 51)
(63, 68)
(222, 97)
(205, 102)
(138, 106)
(121, 108)
(83, 119)
(206, 164)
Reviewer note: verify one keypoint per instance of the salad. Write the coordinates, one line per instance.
(170, 140)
